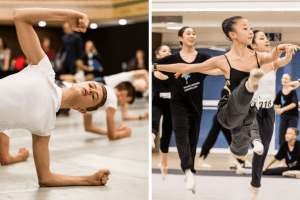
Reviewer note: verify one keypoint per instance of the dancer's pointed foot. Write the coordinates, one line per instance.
(254, 78)
(258, 147)
(164, 171)
(254, 191)
(190, 181)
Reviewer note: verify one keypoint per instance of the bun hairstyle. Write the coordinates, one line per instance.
(227, 25)
(253, 40)
(181, 31)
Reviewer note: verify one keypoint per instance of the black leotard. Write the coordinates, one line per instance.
(236, 76)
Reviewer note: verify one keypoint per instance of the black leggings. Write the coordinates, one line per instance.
(234, 113)
(286, 121)
(275, 171)
(161, 107)
(187, 130)
(213, 136)
(262, 130)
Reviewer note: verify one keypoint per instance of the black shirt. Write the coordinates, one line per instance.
(285, 100)
(159, 86)
(187, 92)
(292, 158)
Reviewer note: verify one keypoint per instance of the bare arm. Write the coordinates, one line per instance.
(286, 108)
(182, 68)
(5, 157)
(276, 52)
(160, 76)
(6, 62)
(112, 131)
(142, 73)
(270, 163)
(28, 39)
(90, 127)
(280, 62)
(80, 65)
(49, 179)
(126, 116)
(296, 84)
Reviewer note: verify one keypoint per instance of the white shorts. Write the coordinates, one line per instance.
(7, 132)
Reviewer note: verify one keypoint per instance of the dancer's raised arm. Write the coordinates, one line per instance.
(24, 18)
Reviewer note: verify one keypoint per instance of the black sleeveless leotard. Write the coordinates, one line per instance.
(236, 76)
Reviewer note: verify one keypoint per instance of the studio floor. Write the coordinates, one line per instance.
(76, 152)
(219, 182)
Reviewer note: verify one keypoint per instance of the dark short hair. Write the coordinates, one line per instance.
(295, 130)
(227, 25)
(181, 31)
(127, 86)
(104, 98)
(253, 39)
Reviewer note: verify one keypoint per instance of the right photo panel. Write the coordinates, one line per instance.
(225, 100)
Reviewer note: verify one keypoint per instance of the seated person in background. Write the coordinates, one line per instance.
(4, 55)
(46, 48)
(138, 62)
(90, 63)
(122, 94)
(290, 151)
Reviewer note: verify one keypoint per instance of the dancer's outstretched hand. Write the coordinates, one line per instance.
(294, 84)
(288, 47)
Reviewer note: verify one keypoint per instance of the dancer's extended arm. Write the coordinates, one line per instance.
(280, 62)
(266, 58)
(49, 179)
(182, 68)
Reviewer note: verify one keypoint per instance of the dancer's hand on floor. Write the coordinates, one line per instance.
(24, 153)
(100, 177)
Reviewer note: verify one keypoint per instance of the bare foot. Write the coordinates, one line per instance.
(100, 177)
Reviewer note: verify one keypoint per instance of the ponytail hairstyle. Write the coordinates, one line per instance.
(227, 25)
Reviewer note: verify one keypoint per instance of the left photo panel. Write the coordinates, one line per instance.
(74, 106)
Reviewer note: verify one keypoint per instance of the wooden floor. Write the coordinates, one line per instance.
(76, 152)
(219, 182)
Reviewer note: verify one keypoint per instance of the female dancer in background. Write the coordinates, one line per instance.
(186, 102)
(263, 98)
(161, 107)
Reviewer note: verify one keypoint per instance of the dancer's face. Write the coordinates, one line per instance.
(188, 37)
(290, 135)
(163, 52)
(123, 97)
(86, 95)
(242, 32)
(285, 79)
(89, 46)
(262, 43)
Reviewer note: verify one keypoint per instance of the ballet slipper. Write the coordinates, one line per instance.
(190, 181)
(254, 191)
(254, 78)
(258, 147)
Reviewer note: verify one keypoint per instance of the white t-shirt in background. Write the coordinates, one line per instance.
(30, 99)
(113, 80)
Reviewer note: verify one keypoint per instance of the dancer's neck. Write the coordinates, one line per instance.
(188, 50)
(239, 50)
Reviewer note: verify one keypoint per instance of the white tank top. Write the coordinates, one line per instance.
(265, 95)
